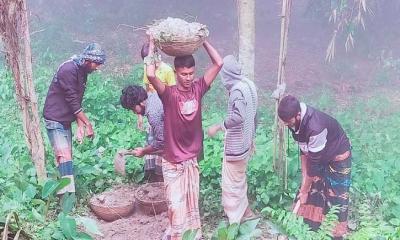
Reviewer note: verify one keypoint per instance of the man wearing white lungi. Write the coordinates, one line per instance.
(239, 127)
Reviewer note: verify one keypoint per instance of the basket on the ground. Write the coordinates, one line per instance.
(111, 212)
(176, 37)
(146, 204)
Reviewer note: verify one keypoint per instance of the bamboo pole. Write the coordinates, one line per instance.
(280, 160)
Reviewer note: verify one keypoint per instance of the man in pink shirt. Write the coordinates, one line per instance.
(183, 137)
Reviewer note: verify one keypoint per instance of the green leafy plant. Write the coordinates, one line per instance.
(7, 227)
(375, 165)
(50, 187)
(190, 234)
(67, 223)
(371, 224)
(294, 226)
(245, 231)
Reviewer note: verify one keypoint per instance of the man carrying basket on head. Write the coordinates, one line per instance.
(183, 137)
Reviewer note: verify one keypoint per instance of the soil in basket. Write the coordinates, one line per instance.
(138, 226)
(118, 196)
(152, 193)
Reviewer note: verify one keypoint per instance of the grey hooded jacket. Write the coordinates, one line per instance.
(240, 122)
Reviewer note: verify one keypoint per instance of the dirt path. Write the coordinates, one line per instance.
(142, 227)
(136, 227)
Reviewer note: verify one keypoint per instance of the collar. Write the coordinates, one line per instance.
(81, 68)
(303, 110)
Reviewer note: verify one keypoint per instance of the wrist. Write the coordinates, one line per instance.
(149, 60)
(222, 126)
(152, 58)
(304, 189)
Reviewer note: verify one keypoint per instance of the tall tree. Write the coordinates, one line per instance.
(14, 31)
(247, 29)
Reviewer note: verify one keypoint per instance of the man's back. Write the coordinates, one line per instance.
(155, 115)
(65, 93)
(239, 138)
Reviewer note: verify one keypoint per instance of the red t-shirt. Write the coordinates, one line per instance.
(183, 132)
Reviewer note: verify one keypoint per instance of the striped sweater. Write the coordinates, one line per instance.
(240, 123)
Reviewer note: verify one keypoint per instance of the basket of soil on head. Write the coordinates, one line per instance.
(114, 204)
(150, 198)
(176, 37)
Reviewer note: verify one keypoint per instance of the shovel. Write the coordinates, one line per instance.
(119, 161)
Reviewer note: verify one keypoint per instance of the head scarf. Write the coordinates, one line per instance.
(231, 72)
(93, 52)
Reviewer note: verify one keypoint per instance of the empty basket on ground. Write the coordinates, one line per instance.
(150, 198)
(111, 212)
(176, 37)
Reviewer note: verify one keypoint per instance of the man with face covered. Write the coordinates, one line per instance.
(239, 126)
(325, 163)
(147, 104)
(63, 106)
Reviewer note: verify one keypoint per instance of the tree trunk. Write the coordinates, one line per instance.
(247, 29)
(37, 148)
(14, 29)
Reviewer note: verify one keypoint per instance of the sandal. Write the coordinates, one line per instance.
(248, 216)
(254, 217)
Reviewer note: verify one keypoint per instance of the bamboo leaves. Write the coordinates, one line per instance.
(347, 16)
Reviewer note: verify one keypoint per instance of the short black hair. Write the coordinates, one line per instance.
(288, 107)
(132, 95)
(145, 50)
(184, 61)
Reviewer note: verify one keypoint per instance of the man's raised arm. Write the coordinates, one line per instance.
(217, 63)
(150, 62)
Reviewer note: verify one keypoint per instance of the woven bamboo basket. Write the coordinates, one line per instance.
(150, 207)
(180, 48)
(111, 213)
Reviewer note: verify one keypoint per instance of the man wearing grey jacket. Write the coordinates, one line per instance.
(239, 126)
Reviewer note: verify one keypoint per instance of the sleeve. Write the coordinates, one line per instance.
(157, 124)
(238, 110)
(164, 97)
(145, 79)
(170, 77)
(201, 86)
(316, 150)
(67, 78)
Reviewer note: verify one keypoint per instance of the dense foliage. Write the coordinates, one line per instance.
(371, 125)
